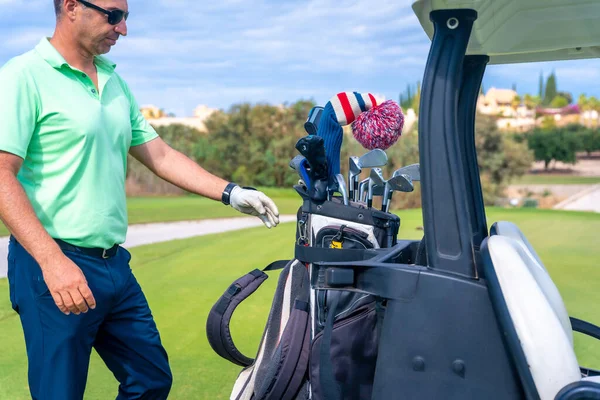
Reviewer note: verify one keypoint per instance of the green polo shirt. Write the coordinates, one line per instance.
(74, 142)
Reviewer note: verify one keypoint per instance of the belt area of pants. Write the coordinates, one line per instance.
(94, 252)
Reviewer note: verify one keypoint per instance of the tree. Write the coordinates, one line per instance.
(548, 123)
(568, 96)
(555, 144)
(516, 101)
(583, 102)
(530, 101)
(559, 102)
(541, 86)
(182, 138)
(551, 90)
(589, 140)
(417, 99)
(499, 156)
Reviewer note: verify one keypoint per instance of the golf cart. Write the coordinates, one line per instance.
(482, 319)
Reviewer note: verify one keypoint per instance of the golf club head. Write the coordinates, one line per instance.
(341, 187)
(300, 165)
(372, 159)
(377, 191)
(313, 149)
(354, 165)
(295, 162)
(353, 172)
(413, 171)
(399, 183)
(362, 190)
(375, 178)
(312, 122)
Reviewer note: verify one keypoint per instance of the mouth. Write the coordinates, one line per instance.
(111, 41)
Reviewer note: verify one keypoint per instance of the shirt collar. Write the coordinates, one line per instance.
(56, 60)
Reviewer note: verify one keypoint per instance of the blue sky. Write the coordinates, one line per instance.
(181, 53)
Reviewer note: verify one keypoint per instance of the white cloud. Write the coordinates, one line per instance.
(180, 52)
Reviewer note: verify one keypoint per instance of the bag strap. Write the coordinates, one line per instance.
(219, 318)
(319, 254)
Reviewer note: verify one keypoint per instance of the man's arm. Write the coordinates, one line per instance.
(65, 280)
(176, 168)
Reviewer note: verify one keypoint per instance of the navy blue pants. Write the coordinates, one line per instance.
(120, 328)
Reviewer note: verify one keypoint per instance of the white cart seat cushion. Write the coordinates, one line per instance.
(545, 344)
(537, 269)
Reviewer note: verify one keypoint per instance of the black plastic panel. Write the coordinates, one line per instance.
(446, 212)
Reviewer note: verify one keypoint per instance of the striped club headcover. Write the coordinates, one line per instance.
(348, 105)
(342, 109)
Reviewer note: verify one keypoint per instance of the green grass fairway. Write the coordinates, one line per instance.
(548, 179)
(182, 280)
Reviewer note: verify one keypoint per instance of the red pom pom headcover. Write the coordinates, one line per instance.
(380, 127)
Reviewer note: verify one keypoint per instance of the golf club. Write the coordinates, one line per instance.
(341, 187)
(313, 149)
(300, 165)
(375, 178)
(312, 122)
(362, 190)
(377, 191)
(413, 171)
(374, 158)
(400, 183)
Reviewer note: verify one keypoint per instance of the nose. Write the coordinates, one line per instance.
(121, 28)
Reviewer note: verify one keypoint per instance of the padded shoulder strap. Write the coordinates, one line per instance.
(217, 324)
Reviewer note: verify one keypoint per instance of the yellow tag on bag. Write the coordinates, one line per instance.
(335, 245)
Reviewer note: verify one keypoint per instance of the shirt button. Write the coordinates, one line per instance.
(94, 91)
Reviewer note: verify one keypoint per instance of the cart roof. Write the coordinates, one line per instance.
(514, 31)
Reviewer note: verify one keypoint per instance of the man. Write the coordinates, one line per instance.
(68, 121)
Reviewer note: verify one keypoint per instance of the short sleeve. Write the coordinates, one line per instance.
(18, 109)
(141, 130)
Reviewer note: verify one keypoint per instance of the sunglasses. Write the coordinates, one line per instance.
(114, 16)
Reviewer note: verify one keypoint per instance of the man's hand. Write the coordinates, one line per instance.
(68, 286)
(256, 203)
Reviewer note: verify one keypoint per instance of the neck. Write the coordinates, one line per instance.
(71, 50)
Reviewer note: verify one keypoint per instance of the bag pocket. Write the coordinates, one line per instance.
(353, 351)
(342, 237)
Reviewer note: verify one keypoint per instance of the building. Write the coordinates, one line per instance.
(157, 117)
(152, 112)
(590, 118)
(497, 102)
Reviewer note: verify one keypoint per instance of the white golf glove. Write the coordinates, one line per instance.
(255, 203)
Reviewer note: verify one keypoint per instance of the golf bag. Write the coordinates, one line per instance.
(317, 344)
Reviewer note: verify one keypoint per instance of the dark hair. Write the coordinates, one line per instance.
(57, 7)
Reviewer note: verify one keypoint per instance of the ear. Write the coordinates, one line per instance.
(70, 8)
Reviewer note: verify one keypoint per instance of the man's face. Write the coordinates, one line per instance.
(94, 31)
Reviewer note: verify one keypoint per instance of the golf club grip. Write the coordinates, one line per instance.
(312, 122)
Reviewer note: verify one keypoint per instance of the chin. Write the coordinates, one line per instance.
(102, 49)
